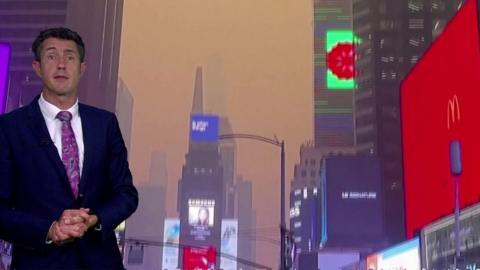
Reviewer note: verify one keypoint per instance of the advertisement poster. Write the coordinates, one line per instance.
(199, 258)
(229, 244)
(171, 236)
(201, 213)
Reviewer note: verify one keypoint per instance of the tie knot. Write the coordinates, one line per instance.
(64, 116)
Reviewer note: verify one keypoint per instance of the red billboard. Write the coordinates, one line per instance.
(440, 103)
(195, 258)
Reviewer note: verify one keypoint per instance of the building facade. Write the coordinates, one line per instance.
(333, 96)
(393, 36)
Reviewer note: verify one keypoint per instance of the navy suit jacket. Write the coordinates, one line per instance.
(34, 190)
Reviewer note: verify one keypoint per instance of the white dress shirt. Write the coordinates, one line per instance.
(54, 125)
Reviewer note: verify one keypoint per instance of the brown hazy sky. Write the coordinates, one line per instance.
(265, 49)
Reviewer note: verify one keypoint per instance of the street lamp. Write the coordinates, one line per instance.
(456, 171)
(281, 144)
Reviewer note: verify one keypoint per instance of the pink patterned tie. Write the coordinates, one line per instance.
(70, 151)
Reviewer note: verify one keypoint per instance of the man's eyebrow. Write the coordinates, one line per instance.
(69, 50)
(50, 48)
(55, 49)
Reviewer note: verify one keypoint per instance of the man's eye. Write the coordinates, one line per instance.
(50, 57)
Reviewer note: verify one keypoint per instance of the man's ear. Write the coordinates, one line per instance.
(83, 67)
(37, 67)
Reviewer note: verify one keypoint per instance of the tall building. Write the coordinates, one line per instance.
(201, 189)
(333, 115)
(23, 20)
(124, 111)
(147, 223)
(146, 227)
(393, 35)
(305, 212)
(228, 150)
(101, 34)
(246, 221)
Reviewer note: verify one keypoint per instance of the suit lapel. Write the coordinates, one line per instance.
(37, 123)
(88, 139)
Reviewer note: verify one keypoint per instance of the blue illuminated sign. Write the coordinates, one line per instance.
(204, 128)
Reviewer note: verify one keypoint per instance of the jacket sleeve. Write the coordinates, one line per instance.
(124, 196)
(16, 227)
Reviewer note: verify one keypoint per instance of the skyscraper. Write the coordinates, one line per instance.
(124, 111)
(147, 223)
(201, 189)
(393, 35)
(305, 215)
(246, 220)
(333, 104)
(227, 150)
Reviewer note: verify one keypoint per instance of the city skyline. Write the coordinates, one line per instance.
(265, 50)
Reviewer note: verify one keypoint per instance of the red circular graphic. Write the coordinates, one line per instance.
(340, 60)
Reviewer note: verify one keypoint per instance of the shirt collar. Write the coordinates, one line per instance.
(50, 111)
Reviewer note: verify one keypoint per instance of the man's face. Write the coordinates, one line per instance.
(59, 67)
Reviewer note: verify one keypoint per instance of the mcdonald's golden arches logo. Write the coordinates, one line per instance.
(453, 111)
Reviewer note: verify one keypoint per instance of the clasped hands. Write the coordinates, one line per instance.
(73, 223)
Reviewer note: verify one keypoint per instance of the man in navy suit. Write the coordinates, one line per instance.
(65, 183)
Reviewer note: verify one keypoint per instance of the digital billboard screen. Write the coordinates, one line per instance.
(440, 103)
(351, 202)
(204, 128)
(403, 256)
(201, 212)
(171, 238)
(195, 258)
(340, 59)
(201, 218)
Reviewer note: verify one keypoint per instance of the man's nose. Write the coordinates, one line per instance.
(61, 63)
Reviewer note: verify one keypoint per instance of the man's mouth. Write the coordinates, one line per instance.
(60, 77)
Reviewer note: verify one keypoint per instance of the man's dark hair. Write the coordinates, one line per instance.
(60, 33)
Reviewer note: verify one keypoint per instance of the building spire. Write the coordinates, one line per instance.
(197, 106)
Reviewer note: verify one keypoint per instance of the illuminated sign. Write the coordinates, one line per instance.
(353, 195)
(4, 62)
(204, 128)
(453, 111)
(171, 238)
(229, 244)
(201, 212)
(340, 59)
(201, 216)
(199, 258)
(402, 256)
(439, 104)
(351, 206)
